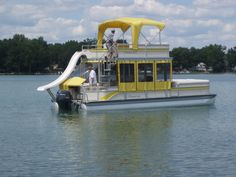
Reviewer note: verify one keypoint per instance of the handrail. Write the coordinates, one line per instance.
(124, 46)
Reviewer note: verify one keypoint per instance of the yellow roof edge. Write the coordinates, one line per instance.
(130, 21)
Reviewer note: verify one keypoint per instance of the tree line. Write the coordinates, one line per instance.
(20, 54)
(216, 57)
(23, 55)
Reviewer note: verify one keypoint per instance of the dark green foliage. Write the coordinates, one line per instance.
(181, 58)
(231, 58)
(23, 55)
(213, 56)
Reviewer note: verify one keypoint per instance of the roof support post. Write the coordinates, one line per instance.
(160, 37)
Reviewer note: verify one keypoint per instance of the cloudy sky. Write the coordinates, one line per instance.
(188, 23)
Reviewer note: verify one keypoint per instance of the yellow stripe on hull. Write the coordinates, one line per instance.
(109, 95)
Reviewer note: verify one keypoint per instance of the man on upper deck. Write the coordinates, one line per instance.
(111, 46)
(110, 41)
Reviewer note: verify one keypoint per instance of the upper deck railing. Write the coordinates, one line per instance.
(126, 51)
(125, 46)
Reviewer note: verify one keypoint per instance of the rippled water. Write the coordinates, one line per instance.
(194, 141)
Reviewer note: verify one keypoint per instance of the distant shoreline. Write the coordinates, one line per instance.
(15, 74)
(175, 73)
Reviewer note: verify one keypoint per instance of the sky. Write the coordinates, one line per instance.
(195, 23)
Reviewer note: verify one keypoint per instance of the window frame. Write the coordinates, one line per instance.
(165, 72)
(145, 74)
(124, 78)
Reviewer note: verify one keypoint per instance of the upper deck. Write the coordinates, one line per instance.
(127, 52)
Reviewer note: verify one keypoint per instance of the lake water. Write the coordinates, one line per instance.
(193, 141)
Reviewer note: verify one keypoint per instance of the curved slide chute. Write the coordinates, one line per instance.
(69, 69)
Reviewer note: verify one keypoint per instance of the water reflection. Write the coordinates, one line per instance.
(139, 143)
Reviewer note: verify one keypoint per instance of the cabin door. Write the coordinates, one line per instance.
(163, 75)
(145, 75)
(127, 75)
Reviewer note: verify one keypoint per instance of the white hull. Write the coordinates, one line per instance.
(138, 104)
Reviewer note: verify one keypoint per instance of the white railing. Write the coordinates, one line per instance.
(127, 46)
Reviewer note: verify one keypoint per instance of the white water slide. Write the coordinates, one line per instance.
(69, 69)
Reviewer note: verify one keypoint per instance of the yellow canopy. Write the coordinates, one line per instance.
(72, 82)
(124, 24)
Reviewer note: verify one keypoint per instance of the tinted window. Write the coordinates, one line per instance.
(126, 72)
(145, 72)
(163, 71)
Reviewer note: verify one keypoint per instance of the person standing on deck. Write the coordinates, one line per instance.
(110, 45)
(110, 41)
(92, 76)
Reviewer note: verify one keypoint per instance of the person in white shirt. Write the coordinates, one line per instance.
(92, 76)
(111, 46)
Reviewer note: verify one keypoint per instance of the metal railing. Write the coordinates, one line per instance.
(125, 46)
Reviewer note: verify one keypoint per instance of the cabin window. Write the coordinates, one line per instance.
(126, 72)
(163, 71)
(145, 72)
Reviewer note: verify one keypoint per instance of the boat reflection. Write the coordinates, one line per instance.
(135, 142)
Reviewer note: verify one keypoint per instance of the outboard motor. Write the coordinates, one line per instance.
(64, 100)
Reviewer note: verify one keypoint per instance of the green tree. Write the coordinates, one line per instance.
(195, 57)
(214, 56)
(181, 58)
(39, 59)
(16, 53)
(68, 49)
(231, 58)
(23, 55)
(3, 55)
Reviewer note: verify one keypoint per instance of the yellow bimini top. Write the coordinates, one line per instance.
(124, 24)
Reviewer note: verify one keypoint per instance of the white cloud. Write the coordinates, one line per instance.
(176, 41)
(116, 3)
(179, 23)
(78, 30)
(24, 9)
(228, 37)
(194, 24)
(103, 13)
(214, 3)
(2, 8)
(60, 27)
(217, 12)
(210, 22)
(52, 29)
(138, 8)
(229, 28)
(215, 8)
(67, 5)
(155, 7)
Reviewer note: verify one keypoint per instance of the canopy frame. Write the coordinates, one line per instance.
(124, 24)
